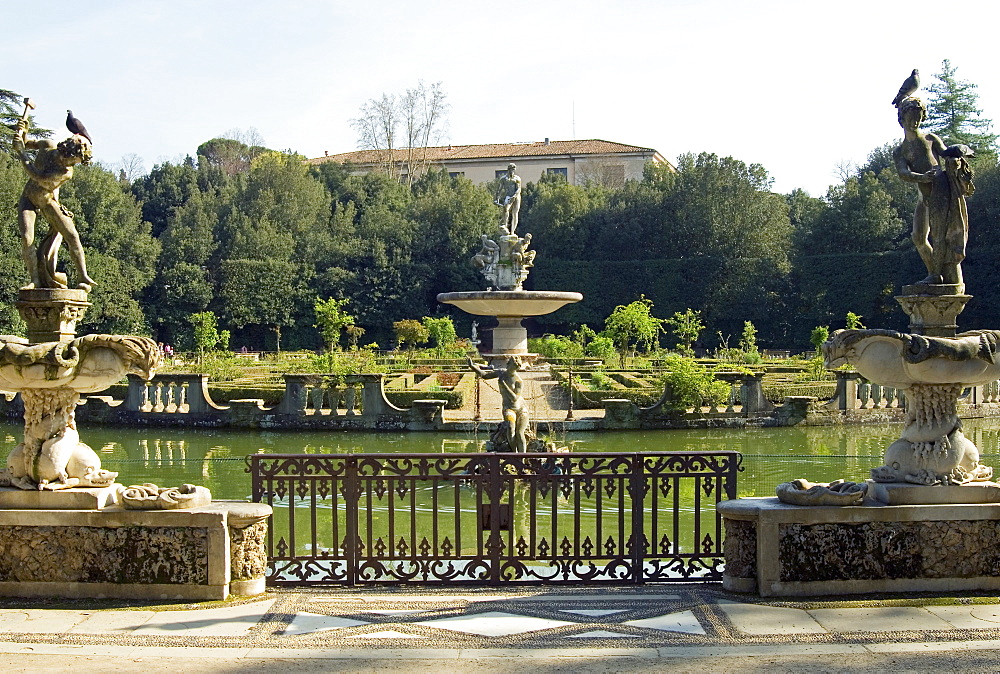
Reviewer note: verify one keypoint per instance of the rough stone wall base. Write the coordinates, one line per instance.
(192, 554)
(781, 550)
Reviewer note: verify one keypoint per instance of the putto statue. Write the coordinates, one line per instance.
(505, 265)
(508, 198)
(943, 178)
(48, 168)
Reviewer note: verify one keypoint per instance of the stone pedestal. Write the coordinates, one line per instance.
(779, 550)
(903, 493)
(934, 309)
(204, 553)
(51, 313)
(92, 498)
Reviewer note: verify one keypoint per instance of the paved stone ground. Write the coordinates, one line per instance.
(656, 628)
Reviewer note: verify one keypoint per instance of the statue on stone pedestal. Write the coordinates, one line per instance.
(50, 167)
(943, 178)
(515, 412)
(508, 198)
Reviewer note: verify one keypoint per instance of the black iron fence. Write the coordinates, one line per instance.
(491, 518)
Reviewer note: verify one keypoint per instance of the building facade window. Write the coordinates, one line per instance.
(558, 172)
(456, 174)
(500, 174)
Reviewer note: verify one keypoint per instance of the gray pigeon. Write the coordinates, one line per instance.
(910, 85)
(76, 126)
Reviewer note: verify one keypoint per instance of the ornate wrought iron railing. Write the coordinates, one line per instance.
(494, 518)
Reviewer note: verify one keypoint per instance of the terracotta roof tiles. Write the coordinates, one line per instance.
(493, 150)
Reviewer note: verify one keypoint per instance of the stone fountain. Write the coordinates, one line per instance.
(505, 263)
(67, 528)
(925, 518)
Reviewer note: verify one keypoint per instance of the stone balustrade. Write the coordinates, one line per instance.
(359, 402)
(170, 394)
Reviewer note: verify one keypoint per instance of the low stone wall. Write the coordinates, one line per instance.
(777, 549)
(193, 554)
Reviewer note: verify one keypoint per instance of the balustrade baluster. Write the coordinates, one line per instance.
(170, 405)
(864, 393)
(731, 403)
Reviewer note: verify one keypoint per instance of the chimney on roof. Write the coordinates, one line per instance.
(449, 147)
(546, 141)
(326, 153)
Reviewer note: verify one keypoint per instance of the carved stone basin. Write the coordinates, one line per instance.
(50, 377)
(903, 360)
(86, 365)
(933, 371)
(510, 338)
(509, 302)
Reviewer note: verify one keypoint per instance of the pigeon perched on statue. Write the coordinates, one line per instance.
(910, 86)
(75, 126)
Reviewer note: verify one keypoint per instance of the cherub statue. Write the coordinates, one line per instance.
(943, 178)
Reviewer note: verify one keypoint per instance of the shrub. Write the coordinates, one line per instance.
(692, 384)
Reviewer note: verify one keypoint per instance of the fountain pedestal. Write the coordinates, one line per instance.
(934, 309)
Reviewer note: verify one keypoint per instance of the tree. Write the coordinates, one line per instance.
(206, 334)
(952, 112)
(11, 109)
(121, 251)
(441, 332)
(421, 112)
(748, 340)
(233, 152)
(332, 319)
(687, 326)
(819, 334)
(410, 331)
(633, 325)
(260, 292)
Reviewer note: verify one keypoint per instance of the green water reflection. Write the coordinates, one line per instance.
(214, 458)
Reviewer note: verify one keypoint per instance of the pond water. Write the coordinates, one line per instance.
(215, 458)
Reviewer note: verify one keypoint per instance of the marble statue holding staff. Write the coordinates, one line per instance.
(50, 167)
(508, 198)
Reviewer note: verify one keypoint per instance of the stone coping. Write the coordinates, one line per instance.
(768, 509)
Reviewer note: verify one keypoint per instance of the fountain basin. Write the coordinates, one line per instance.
(903, 360)
(518, 303)
(510, 338)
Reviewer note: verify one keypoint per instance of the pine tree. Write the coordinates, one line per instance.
(11, 108)
(952, 112)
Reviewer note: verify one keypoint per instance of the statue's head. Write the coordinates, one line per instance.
(911, 113)
(76, 147)
(511, 167)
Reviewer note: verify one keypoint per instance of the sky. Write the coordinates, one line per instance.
(802, 88)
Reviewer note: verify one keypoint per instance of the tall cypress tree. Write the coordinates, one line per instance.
(952, 112)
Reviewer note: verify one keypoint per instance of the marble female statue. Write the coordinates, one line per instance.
(49, 168)
(944, 179)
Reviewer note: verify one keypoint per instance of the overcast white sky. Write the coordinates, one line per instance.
(796, 86)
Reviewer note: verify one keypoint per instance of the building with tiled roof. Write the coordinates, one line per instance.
(578, 160)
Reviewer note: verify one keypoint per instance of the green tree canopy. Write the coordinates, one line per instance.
(953, 112)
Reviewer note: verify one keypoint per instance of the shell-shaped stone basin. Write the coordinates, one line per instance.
(87, 364)
(901, 360)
